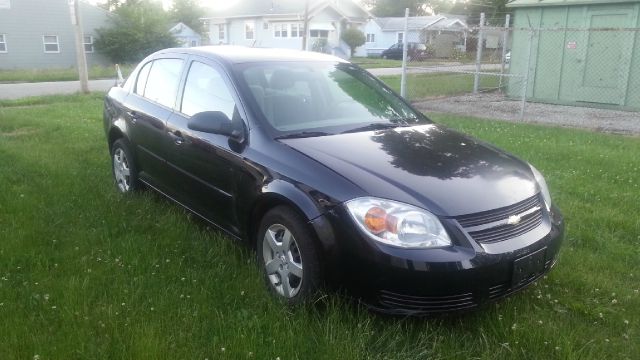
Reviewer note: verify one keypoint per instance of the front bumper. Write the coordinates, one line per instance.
(460, 277)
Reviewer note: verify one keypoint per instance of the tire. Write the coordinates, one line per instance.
(287, 249)
(123, 168)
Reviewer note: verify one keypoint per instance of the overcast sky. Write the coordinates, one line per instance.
(219, 4)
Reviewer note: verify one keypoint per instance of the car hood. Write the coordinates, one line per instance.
(428, 166)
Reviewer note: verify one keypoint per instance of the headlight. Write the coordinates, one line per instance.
(543, 187)
(398, 224)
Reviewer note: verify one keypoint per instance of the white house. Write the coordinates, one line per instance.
(443, 33)
(185, 35)
(280, 24)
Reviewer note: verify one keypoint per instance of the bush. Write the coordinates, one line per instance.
(354, 38)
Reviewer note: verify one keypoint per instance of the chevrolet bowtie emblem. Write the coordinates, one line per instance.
(514, 219)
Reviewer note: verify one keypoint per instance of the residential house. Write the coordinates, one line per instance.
(442, 33)
(36, 34)
(186, 36)
(280, 24)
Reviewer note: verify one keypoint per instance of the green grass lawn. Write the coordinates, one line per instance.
(372, 63)
(422, 86)
(87, 273)
(62, 74)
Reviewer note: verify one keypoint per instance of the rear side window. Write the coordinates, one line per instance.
(142, 79)
(163, 81)
(206, 90)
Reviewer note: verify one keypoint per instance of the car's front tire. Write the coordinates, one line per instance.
(125, 173)
(288, 255)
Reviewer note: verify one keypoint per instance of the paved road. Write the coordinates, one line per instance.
(20, 90)
(17, 91)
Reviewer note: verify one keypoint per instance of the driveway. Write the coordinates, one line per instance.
(20, 90)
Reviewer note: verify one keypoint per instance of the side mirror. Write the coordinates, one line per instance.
(214, 122)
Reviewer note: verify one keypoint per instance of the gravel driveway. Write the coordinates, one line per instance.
(495, 106)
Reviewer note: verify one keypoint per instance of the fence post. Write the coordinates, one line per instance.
(505, 38)
(403, 79)
(476, 81)
(527, 74)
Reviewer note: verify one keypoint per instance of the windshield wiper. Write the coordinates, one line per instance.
(303, 134)
(374, 126)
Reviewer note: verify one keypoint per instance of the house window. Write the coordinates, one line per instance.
(249, 30)
(221, 32)
(400, 37)
(88, 44)
(3, 43)
(296, 30)
(51, 44)
(277, 30)
(371, 38)
(319, 33)
(194, 43)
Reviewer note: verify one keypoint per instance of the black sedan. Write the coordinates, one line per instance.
(332, 177)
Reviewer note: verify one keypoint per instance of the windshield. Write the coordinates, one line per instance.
(315, 98)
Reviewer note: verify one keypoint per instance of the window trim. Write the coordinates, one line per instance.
(84, 44)
(222, 34)
(233, 88)
(398, 41)
(252, 23)
(4, 41)
(371, 38)
(45, 43)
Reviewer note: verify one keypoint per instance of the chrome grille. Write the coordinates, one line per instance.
(493, 226)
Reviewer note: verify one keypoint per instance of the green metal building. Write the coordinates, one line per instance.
(580, 55)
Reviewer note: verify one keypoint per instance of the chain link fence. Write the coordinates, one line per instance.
(500, 72)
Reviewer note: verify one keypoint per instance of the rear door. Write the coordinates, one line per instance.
(148, 109)
(606, 56)
(203, 164)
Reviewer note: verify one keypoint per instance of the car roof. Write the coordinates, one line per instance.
(242, 54)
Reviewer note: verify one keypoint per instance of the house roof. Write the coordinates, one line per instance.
(260, 8)
(415, 22)
(544, 3)
(446, 24)
(182, 29)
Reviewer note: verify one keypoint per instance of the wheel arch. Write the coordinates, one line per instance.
(281, 193)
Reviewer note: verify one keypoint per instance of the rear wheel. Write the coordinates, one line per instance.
(125, 173)
(288, 255)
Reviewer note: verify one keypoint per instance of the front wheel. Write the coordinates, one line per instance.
(288, 255)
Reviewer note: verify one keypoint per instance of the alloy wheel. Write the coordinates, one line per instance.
(121, 170)
(282, 260)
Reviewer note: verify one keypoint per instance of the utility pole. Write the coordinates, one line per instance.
(306, 25)
(81, 59)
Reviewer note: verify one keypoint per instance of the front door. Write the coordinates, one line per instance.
(203, 164)
(606, 56)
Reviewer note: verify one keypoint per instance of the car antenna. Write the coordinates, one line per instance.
(119, 78)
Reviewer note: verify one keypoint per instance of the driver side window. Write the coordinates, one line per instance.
(206, 90)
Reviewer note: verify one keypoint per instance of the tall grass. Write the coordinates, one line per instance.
(87, 273)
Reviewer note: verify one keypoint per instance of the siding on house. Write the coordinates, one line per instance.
(25, 23)
(185, 35)
(325, 15)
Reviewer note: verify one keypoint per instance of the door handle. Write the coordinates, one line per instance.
(176, 136)
(133, 116)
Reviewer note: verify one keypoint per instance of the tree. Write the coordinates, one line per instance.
(354, 38)
(188, 12)
(138, 28)
(416, 7)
